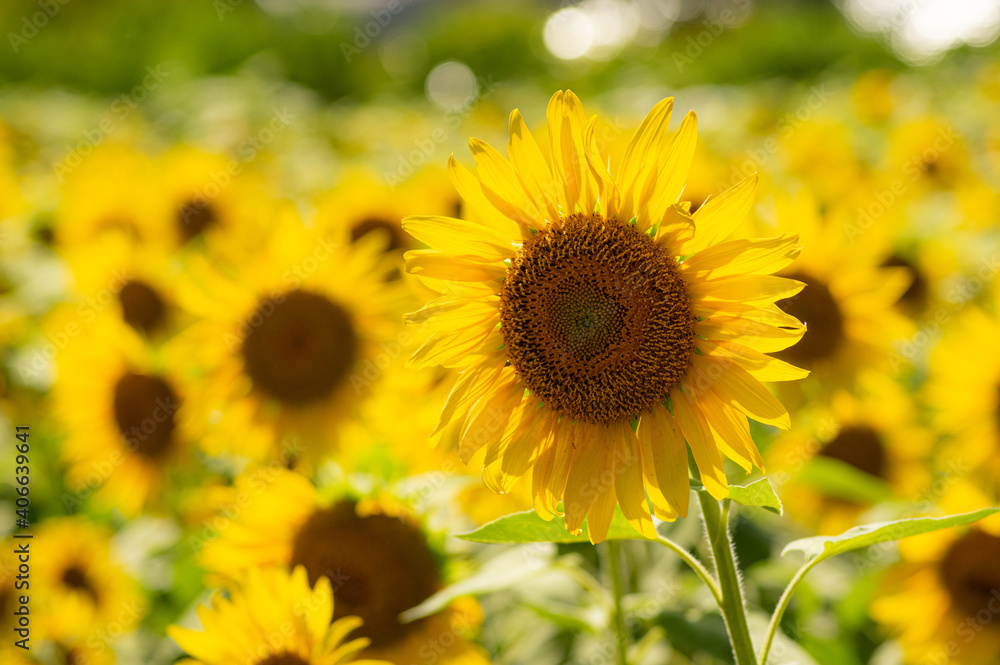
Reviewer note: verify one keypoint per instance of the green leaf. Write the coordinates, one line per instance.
(840, 480)
(510, 569)
(819, 548)
(528, 527)
(759, 493)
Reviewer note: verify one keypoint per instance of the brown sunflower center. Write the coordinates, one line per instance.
(283, 659)
(76, 578)
(142, 306)
(596, 318)
(970, 573)
(861, 447)
(818, 309)
(379, 566)
(194, 217)
(144, 408)
(386, 228)
(300, 347)
(916, 293)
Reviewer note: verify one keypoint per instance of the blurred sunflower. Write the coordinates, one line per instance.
(124, 415)
(136, 281)
(276, 618)
(362, 204)
(963, 391)
(114, 190)
(942, 600)
(207, 196)
(865, 446)
(288, 342)
(78, 586)
(375, 552)
(874, 96)
(589, 350)
(848, 302)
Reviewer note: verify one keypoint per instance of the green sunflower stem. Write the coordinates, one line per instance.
(733, 607)
(614, 570)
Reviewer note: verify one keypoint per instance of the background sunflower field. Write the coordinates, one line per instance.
(213, 446)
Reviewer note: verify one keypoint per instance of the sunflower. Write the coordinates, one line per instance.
(848, 302)
(78, 586)
(589, 350)
(942, 599)
(363, 204)
(206, 196)
(288, 341)
(378, 557)
(136, 282)
(113, 191)
(124, 414)
(963, 391)
(276, 618)
(871, 429)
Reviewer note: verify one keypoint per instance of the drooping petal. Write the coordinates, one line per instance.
(699, 437)
(664, 462)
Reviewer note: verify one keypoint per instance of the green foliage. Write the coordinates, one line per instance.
(820, 548)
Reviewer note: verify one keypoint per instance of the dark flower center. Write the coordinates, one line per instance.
(378, 565)
(142, 306)
(76, 578)
(300, 347)
(861, 447)
(391, 231)
(596, 319)
(194, 217)
(144, 408)
(970, 572)
(917, 292)
(818, 309)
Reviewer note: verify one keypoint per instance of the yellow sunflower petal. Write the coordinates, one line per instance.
(664, 462)
(699, 437)
(720, 215)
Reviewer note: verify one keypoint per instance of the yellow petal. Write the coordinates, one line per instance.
(435, 264)
(664, 462)
(489, 417)
(589, 474)
(746, 288)
(601, 512)
(502, 187)
(699, 437)
(629, 485)
(460, 237)
(471, 385)
(764, 338)
(531, 167)
(674, 167)
(720, 215)
(761, 367)
(642, 152)
(743, 257)
(736, 387)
